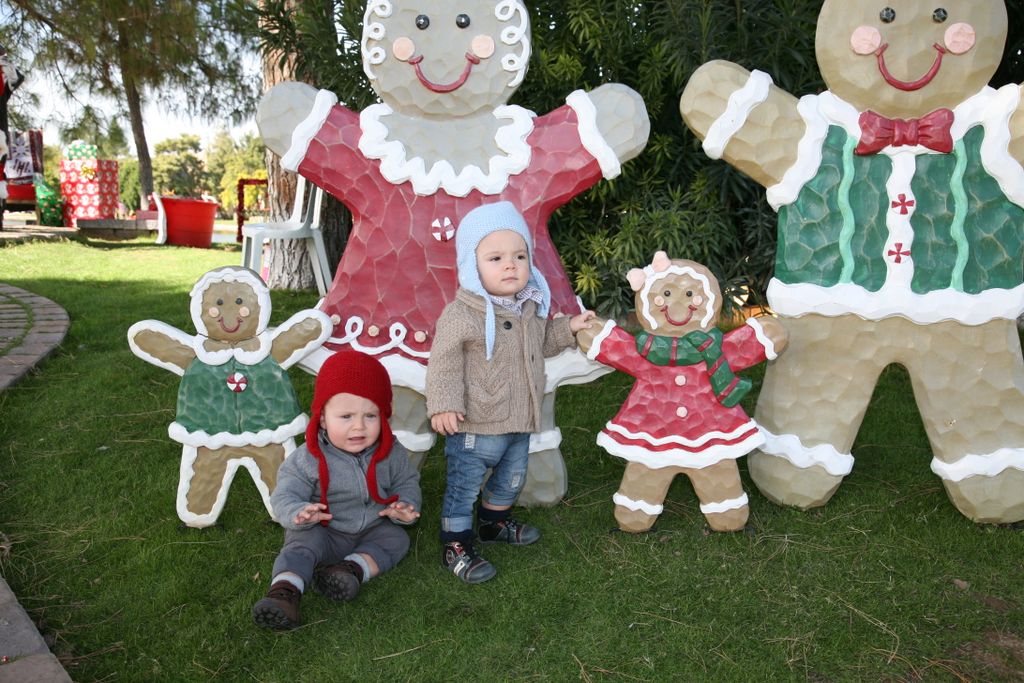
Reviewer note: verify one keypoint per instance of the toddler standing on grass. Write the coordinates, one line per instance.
(341, 495)
(485, 381)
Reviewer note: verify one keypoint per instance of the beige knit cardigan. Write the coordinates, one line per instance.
(504, 394)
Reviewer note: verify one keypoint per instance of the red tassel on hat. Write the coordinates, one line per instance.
(356, 373)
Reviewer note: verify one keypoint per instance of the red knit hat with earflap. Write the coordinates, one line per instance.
(352, 372)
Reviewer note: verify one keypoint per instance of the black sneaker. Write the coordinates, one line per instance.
(508, 531)
(463, 561)
(279, 610)
(338, 582)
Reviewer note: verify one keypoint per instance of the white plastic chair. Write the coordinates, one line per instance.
(161, 220)
(299, 226)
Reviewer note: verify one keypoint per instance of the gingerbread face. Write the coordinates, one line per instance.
(439, 57)
(907, 58)
(675, 297)
(230, 311)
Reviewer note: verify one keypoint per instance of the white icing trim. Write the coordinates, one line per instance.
(372, 30)
(904, 164)
(808, 158)
(186, 472)
(988, 465)
(545, 441)
(397, 169)
(413, 442)
(681, 440)
(221, 356)
(790, 448)
(229, 274)
(725, 505)
(945, 304)
(653, 276)
(768, 344)
(504, 11)
(637, 505)
(595, 347)
(307, 130)
(281, 434)
(160, 328)
(302, 316)
(571, 366)
(680, 457)
(397, 333)
(741, 103)
(590, 134)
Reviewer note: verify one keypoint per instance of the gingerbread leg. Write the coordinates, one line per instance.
(266, 460)
(639, 500)
(203, 484)
(811, 405)
(722, 500)
(968, 383)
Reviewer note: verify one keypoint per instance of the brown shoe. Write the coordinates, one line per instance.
(279, 610)
(338, 581)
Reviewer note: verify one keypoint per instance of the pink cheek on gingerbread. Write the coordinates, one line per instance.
(482, 46)
(865, 40)
(403, 49)
(244, 312)
(659, 301)
(213, 312)
(959, 38)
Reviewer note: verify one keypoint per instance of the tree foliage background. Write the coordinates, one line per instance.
(672, 197)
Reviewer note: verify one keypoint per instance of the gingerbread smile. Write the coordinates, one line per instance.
(679, 323)
(911, 85)
(227, 329)
(471, 59)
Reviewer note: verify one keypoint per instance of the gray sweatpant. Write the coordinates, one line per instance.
(305, 549)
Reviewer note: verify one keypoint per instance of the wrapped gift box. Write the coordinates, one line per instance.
(80, 149)
(90, 189)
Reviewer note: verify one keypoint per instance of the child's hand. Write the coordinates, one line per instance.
(314, 512)
(579, 322)
(403, 512)
(446, 423)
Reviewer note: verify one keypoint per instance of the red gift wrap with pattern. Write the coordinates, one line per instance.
(90, 189)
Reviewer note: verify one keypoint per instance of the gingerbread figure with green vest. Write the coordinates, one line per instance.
(900, 201)
(682, 416)
(236, 405)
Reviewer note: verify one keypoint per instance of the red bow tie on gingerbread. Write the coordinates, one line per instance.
(931, 131)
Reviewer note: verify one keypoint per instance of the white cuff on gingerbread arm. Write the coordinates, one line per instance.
(769, 346)
(590, 134)
(595, 347)
(307, 130)
(741, 103)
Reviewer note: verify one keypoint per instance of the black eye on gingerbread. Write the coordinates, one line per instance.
(220, 302)
(462, 21)
(888, 15)
(689, 293)
(667, 292)
(422, 22)
(238, 301)
(940, 15)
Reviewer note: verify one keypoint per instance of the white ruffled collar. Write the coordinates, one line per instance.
(397, 168)
(222, 356)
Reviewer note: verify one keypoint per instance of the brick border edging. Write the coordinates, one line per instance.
(48, 328)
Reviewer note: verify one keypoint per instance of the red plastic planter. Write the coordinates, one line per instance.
(189, 221)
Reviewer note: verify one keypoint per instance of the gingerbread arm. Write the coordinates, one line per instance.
(743, 118)
(1017, 130)
(281, 110)
(162, 345)
(299, 336)
(621, 120)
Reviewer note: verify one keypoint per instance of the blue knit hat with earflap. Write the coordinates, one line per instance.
(475, 226)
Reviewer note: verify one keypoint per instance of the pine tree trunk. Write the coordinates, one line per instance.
(134, 99)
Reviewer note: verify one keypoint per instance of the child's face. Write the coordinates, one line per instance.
(352, 422)
(503, 262)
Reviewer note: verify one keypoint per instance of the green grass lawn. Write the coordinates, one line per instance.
(887, 582)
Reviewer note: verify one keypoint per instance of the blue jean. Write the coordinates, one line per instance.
(469, 457)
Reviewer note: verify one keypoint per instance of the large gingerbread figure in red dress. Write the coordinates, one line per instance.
(682, 415)
(442, 142)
